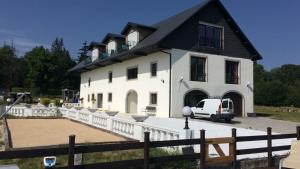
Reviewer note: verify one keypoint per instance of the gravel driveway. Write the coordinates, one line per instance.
(260, 123)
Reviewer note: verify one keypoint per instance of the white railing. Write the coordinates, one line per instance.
(99, 121)
(71, 105)
(124, 127)
(120, 126)
(23, 111)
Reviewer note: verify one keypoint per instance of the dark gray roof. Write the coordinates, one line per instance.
(112, 35)
(96, 44)
(132, 24)
(163, 28)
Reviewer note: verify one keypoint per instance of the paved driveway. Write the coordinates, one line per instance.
(260, 123)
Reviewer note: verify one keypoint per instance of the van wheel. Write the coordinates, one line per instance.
(227, 120)
(192, 116)
(213, 118)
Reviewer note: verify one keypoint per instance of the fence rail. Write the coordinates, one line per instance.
(204, 143)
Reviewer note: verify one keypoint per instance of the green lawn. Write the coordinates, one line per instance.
(90, 158)
(280, 113)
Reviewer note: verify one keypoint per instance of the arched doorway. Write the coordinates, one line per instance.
(131, 102)
(237, 101)
(193, 97)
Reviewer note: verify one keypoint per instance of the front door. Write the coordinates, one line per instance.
(100, 100)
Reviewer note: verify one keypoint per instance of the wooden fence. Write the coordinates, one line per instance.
(145, 162)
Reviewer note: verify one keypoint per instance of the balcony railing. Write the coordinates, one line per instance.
(121, 48)
(210, 43)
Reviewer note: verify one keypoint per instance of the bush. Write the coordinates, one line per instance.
(45, 101)
(56, 102)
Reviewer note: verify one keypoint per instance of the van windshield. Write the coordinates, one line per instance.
(201, 104)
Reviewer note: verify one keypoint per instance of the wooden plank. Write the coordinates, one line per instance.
(222, 140)
(251, 138)
(284, 136)
(262, 150)
(109, 147)
(219, 160)
(168, 143)
(29, 153)
(219, 150)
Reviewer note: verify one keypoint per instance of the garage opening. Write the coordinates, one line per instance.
(193, 97)
(237, 101)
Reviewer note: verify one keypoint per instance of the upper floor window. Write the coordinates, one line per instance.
(210, 36)
(132, 73)
(153, 68)
(198, 69)
(232, 72)
(110, 77)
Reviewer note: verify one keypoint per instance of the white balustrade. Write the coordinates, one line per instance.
(123, 127)
(99, 121)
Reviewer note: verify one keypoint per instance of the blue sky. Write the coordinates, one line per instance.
(271, 25)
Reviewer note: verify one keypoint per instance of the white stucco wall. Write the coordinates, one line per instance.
(112, 45)
(95, 54)
(144, 85)
(133, 37)
(215, 84)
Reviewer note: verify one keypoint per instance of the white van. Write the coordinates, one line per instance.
(214, 109)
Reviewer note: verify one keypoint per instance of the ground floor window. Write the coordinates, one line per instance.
(153, 98)
(109, 97)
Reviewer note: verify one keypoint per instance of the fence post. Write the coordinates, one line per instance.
(298, 132)
(202, 149)
(146, 150)
(233, 134)
(269, 132)
(71, 151)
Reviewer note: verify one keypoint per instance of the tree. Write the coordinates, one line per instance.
(83, 51)
(38, 63)
(12, 69)
(61, 63)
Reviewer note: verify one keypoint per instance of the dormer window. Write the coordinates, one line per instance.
(132, 38)
(210, 36)
(95, 54)
(111, 47)
(96, 50)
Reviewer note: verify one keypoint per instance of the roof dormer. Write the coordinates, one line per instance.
(135, 33)
(96, 50)
(114, 43)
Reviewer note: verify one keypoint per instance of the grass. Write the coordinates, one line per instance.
(90, 158)
(280, 113)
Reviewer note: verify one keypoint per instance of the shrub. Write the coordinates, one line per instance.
(56, 102)
(45, 101)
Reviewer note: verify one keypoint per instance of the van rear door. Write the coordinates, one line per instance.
(225, 106)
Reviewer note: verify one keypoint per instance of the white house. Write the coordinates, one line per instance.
(198, 53)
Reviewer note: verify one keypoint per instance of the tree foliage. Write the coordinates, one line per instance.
(278, 87)
(12, 69)
(43, 69)
(83, 51)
